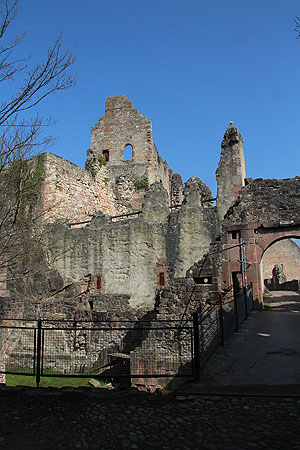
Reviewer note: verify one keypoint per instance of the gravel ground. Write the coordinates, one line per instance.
(86, 419)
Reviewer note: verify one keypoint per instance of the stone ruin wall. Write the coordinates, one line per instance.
(130, 257)
(138, 266)
(119, 254)
(264, 202)
(72, 193)
(231, 173)
(121, 126)
(3, 290)
(135, 256)
(114, 187)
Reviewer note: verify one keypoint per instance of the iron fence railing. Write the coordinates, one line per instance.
(109, 349)
(217, 323)
(113, 349)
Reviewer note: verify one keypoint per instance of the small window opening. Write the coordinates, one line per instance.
(128, 153)
(162, 279)
(91, 304)
(99, 282)
(106, 155)
(235, 234)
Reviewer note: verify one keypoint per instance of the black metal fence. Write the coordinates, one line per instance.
(114, 349)
(109, 349)
(217, 323)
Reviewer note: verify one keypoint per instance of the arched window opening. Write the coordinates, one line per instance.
(128, 153)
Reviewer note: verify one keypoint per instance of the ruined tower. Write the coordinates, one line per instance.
(122, 139)
(231, 170)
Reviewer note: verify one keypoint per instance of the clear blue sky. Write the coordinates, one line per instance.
(191, 67)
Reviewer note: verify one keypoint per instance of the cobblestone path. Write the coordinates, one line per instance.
(82, 419)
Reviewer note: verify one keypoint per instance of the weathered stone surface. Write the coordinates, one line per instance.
(122, 126)
(94, 383)
(267, 202)
(73, 193)
(156, 204)
(231, 170)
(176, 190)
(197, 193)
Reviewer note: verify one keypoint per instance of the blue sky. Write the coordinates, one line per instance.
(191, 67)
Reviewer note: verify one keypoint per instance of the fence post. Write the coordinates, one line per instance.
(221, 320)
(196, 346)
(235, 303)
(246, 302)
(38, 355)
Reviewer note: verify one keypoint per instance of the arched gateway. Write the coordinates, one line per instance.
(266, 211)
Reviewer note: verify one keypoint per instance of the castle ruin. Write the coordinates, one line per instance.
(124, 239)
(124, 229)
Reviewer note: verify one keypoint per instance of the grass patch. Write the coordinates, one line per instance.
(58, 382)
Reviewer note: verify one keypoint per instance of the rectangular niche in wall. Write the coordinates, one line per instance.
(203, 280)
(162, 279)
(99, 282)
(106, 155)
(235, 234)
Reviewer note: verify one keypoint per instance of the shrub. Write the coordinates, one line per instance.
(141, 184)
(101, 160)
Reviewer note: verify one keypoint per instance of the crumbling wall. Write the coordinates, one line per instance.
(136, 256)
(197, 225)
(266, 202)
(123, 126)
(73, 193)
(231, 170)
(176, 190)
(124, 254)
(129, 184)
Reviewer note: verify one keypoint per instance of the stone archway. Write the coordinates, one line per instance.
(265, 211)
(285, 255)
(257, 239)
(265, 237)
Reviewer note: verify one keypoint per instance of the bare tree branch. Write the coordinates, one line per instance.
(297, 26)
(21, 172)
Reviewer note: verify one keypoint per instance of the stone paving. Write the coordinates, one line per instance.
(88, 419)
